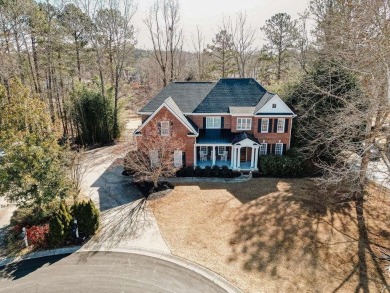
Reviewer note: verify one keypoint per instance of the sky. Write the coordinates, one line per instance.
(208, 14)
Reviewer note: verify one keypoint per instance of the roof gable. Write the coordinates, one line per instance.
(281, 107)
(186, 95)
(171, 106)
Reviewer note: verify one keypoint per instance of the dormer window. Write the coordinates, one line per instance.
(274, 106)
(165, 127)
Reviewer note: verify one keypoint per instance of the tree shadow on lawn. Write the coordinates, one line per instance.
(299, 235)
(20, 269)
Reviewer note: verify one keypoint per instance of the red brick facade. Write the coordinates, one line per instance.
(179, 130)
(230, 122)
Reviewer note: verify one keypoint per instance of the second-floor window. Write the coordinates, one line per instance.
(244, 123)
(280, 125)
(213, 122)
(165, 128)
(264, 125)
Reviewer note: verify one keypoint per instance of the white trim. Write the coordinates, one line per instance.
(244, 124)
(208, 114)
(173, 113)
(289, 137)
(144, 113)
(275, 116)
(281, 106)
(241, 114)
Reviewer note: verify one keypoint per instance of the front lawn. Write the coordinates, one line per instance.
(278, 235)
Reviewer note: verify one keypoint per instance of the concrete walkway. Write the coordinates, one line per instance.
(126, 222)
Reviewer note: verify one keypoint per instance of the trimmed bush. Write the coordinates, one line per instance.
(87, 216)
(225, 172)
(56, 231)
(281, 166)
(66, 219)
(198, 172)
(188, 171)
(215, 171)
(207, 171)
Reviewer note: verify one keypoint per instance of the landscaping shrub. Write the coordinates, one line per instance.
(225, 172)
(281, 166)
(207, 171)
(66, 219)
(198, 172)
(38, 235)
(147, 187)
(188, 171)
(87, 216)
(26, 216)
(56, 231)
(215, 171)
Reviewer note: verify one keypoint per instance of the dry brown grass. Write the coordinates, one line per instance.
(277, 235)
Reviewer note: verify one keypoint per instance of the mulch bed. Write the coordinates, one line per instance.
(147, 187)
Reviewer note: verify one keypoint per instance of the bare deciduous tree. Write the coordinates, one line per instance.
(166, 35)
(154, 156)
(243, 39)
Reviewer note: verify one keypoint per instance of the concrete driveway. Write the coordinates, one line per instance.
(126, 222)
(103, 272)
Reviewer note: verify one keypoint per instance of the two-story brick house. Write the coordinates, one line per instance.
(230, 122)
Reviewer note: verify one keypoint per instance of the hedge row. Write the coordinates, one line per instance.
(215, 171)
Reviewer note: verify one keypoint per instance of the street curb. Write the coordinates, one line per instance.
(67, 250)
(197, 268)
(201, 270)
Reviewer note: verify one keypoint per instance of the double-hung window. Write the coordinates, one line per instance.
(221, 150)
(213, 122)
(244, 123)
(281, 122)
(263, 149)
(165, 127)
(279, 149)
(264, 125)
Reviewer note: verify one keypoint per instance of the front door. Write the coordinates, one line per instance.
(243, 154)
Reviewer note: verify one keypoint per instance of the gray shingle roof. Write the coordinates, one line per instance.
(187, 95)
(241, 110)
(231, 92)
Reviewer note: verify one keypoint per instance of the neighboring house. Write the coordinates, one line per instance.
(230, 122)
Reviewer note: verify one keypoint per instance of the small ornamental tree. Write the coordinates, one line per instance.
(154, 157)
(65, 218)
(87, 216)
(56, 231)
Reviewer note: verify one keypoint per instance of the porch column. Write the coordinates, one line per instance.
(252, 157)
(214, 155)
(238, 157)
(194, 155)
(256, 157)
(232, 157)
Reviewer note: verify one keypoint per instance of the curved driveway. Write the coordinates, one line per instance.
(102, 272)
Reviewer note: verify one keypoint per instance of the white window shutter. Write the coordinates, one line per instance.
(178, 159)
